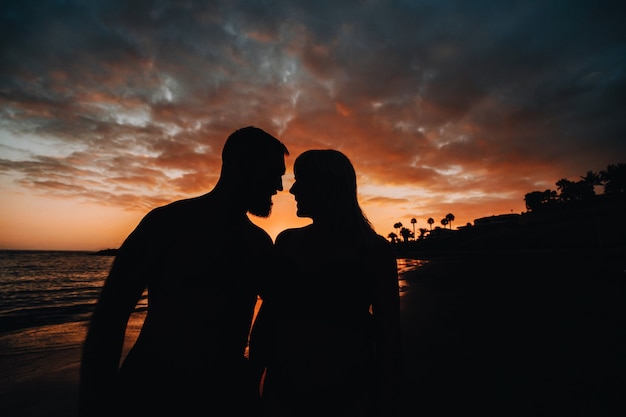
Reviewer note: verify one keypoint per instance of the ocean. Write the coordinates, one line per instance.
(46, 301)
(47, 297)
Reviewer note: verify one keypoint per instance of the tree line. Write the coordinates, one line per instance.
(612, 180)
(408, 234)
(568, 193)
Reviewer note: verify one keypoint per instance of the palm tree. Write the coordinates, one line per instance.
(397, 226)
(413, 221)
(567, 190)
(392, 237)
(450, 219)
(592, 179)
(406, 234)
(614, 179)
(444, 222)
(430, 221)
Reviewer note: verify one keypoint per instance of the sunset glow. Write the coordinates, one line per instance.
(108, 110)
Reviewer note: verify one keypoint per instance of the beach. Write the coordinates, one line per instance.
(535, 333)
(45, 383)
(502, 334)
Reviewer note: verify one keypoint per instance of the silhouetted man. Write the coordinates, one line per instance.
(200, 260)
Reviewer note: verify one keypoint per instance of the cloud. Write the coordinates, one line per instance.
(472, 102)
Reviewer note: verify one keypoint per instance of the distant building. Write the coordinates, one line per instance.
(499, 220)
(440, 233)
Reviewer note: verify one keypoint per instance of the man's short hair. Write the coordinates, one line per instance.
(250, 144)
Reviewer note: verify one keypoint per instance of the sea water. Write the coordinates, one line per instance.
(46, 301)
(47, 298)
(39, 288)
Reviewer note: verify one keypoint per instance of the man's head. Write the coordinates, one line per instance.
(253, 161)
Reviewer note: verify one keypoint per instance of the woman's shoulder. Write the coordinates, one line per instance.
(380, 240)
(377, 242)
(379, 249)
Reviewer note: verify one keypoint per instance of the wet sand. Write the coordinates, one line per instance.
(498, 334)
(516, 334)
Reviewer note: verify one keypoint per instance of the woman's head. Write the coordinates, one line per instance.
(326, 188)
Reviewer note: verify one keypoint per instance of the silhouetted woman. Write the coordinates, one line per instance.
(328, 330)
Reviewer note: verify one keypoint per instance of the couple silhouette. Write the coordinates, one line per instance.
(326, 339)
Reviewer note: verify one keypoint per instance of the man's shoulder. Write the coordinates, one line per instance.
(182, 207)
(259, 234)
(170, 207)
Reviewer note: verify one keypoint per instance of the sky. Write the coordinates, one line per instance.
(110, 108)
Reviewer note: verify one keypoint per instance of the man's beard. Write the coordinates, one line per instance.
(261, 207)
